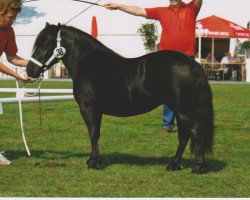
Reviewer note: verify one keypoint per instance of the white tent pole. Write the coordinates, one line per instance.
(200, 47)
(212, 52)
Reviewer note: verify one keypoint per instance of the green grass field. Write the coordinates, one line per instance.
(134, 152)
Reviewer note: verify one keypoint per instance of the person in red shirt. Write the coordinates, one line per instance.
(178, 32)
(8, 12)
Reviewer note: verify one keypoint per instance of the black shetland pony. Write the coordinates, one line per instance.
(107, 83)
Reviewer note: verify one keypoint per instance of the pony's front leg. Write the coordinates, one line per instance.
(93, 122)
(94, 160)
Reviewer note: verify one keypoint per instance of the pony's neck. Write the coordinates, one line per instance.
(81, 49)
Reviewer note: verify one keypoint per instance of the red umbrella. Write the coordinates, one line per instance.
(222, 28)
(216, 27)
(94, 29)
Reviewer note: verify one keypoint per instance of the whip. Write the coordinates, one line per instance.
(88, 2)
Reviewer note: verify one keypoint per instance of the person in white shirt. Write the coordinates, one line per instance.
(227, 58)
(227, 71)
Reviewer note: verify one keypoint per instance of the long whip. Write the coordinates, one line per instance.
(88, 2)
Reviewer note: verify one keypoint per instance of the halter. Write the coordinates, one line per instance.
(58, 52)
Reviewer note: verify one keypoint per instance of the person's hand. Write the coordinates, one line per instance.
(111, 6)
(26, 79)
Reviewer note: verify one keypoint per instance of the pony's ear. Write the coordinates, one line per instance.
(47, 24)
(59, 25)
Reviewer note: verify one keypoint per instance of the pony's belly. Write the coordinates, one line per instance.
(126, 110)
(128, 103)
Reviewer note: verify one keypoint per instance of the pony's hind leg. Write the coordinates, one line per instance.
(199, 166)
(183, 136)
(203, 132)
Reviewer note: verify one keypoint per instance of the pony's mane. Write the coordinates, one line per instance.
(50, 31)
(77, 33)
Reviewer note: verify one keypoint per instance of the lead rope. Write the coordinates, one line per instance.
(21, 120)
(40, 104)
(38, 89)
(21, 113)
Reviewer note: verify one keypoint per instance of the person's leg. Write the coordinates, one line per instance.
(168, 115)
(168, 119)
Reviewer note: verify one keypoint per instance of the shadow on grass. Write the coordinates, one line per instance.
(216, 165)
(127, 159)
(47, 155)
(115, 158)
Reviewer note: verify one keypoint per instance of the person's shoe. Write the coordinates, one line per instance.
(3, 160)
(167, 130)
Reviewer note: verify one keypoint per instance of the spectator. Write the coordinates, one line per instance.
(199, 60)
(227, 58)
(209, 58)
(236, 58)
(227, 71)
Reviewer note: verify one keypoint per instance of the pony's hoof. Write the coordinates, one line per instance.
(93, 163)
(200, 168)
(173, 166)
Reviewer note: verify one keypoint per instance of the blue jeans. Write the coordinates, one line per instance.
(168, 118)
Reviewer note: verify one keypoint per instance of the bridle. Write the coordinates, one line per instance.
(58, 53)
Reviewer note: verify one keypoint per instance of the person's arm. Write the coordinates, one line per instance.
(197, 3)
(4, 69)
(133, 10)
(18, 61)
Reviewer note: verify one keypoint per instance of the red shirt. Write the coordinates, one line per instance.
(7, 41)
(178, 26)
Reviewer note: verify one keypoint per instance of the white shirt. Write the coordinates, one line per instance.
(225, 60)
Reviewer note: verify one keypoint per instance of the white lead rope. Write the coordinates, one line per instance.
(38, 89)
(21, 121)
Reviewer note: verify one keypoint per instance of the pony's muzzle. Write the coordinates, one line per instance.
(33, 70)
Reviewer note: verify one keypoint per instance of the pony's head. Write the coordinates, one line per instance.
(47, 50)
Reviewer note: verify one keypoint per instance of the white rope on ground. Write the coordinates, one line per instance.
(21, 119)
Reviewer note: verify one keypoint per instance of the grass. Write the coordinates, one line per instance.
(134, 152)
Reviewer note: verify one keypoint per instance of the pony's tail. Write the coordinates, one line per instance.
(204, 117)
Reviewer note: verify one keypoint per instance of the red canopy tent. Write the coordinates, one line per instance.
(94, 29)
(222, 28)
(216, 27)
